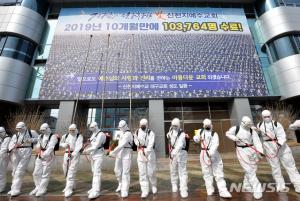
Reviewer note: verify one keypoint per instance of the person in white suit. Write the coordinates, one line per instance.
(4, 157)
(123, 154)
(274, 142)
(96, 151)
(210, 159)
(249, 150)
(144, 138)
(178, 158)
(45, 160)
(72, 142)
(21, 146)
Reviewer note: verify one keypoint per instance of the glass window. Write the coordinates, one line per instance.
(9, 2)
(36, 81)
(18, 48)
(273, 52)
(2, 42)
(263, 6)
(112, 116)
(45, 46)
(283, 47)
(51, 116)
(297, 40)
(292, 2)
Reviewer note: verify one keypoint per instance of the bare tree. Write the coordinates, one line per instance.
(30, 115)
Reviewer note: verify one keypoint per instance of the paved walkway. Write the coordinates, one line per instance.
(233, 174)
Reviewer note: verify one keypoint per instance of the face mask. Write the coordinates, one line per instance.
(175, 128)
(143, 128)
(247, 125)
(20, 130)
(92, 129)
(207, 128)
(267, 119)
(2, 134)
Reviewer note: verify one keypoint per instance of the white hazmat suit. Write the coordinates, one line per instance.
(249, 150)
(295, 125)
(276, 149)
(72, 142)
(20, 146)
(96, 151)
(144, 139)
(123, 153)
(178, 158)
(45, 160)
(296, 128)
(4, 157)
(210, 159)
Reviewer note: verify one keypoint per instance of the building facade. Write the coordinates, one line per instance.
(31, 48)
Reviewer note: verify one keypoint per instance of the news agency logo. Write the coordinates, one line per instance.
(266, 187)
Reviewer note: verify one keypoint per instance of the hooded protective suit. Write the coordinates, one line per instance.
(144, 138)
(4, 157)
(276, 149)
(295, 126)
(45, 160)
(21, 147)
(72, 142)
(210, 159)
(96, 151)
(123, 153)
(247, 141)
(178, 158)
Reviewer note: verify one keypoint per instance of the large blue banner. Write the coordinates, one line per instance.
(118, 53)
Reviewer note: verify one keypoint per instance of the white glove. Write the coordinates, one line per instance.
(147, 152)
(210, 153)
(255, 129)
(112, 154)
(196, 139)
(173, 153)
(45, 155)
(235, 138)
(64, 145)
(29, 140)
(87, 151)
(74, 154)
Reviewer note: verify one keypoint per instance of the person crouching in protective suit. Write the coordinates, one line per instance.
(96, 151)
(144, 139)
(20, 146)
(72, 142)
(123, 154)
(178, 158)
(210, 159)
(4, 157)
(45, 160)
(274, 143)
(249, 150)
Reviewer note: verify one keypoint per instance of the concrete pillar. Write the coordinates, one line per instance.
(156, 123)
(65, 113)
(238, 108)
